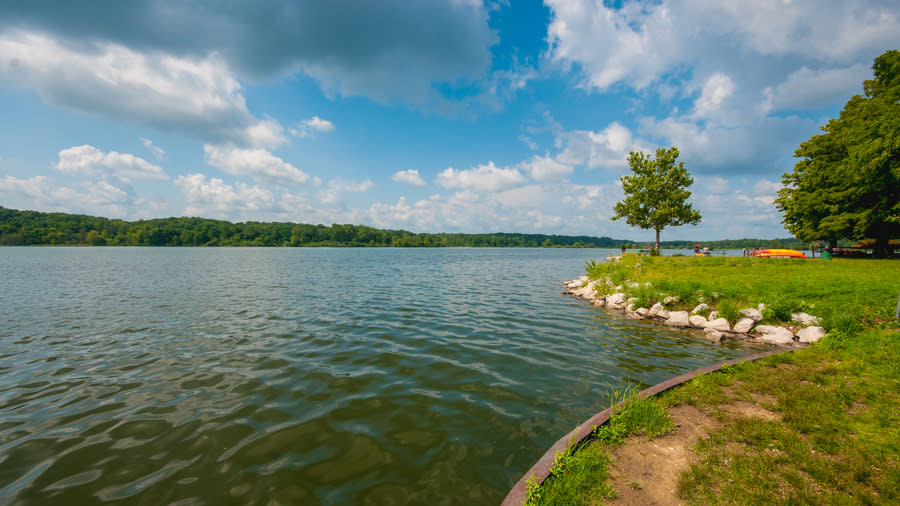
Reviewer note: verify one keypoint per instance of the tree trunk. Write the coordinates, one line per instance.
(657, 240)
(882, 246)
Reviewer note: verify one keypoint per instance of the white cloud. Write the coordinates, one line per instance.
(397, 51)
(545, 168)
(637, 43)
(195, 95)
(87, 160)
(157, 151)
(98, 198)
(336, 188)
(311, 126)
(484, 178)
(258, 164)
(410, 176)
(716, 89)
(212, 196)
(810, 89)
(607, 148)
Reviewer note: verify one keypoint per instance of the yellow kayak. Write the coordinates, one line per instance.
(778, 253)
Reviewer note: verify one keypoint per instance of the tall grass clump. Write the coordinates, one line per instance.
(633, 414)
(729, 310)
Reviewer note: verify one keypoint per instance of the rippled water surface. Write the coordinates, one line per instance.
(302, 376)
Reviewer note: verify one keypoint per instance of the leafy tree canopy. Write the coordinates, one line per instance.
(846, 183)
(656, 193)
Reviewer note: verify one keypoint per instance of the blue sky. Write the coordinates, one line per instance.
(431, 116)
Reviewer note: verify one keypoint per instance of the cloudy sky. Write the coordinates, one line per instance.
(433, 115)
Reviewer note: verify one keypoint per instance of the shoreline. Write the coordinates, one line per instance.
(806, 329)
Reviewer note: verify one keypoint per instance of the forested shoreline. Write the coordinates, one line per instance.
(34, 228)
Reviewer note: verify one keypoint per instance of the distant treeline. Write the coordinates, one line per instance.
(37, 228)
(23, 228)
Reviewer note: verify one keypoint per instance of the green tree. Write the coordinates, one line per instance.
(656, 193)
(847, 181)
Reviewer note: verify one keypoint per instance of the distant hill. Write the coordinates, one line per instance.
(37, 228)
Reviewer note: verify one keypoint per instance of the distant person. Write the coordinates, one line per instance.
(696, 248)
(623, 249)
(706, 251)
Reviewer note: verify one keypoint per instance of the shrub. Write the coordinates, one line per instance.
(729, 310)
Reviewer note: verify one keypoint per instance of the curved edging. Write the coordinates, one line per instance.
(541, 469)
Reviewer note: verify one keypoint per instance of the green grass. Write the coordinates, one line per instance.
(822, 288)
(579, 474)
(835, 438)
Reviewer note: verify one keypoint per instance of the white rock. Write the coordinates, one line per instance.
(671, 299)
(719, 324)
(616, 299)
(678, 318)
(713, 315)
(700, 307)
(712, 335)
(599, 302)
(631, 300)
(744, 325)
(642, 312)
(697, 320)
(760, 306)
(619, 288)
(811, 334)
(805, 319)
(629, 307)
(753, 314)
(664, 314)
(655, 309)
(776, 335)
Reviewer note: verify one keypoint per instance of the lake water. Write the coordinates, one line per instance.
(303, 376)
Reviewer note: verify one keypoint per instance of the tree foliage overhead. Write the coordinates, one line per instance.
(656, 193)
(847, 181)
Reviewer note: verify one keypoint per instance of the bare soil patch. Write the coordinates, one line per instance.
(646, 472)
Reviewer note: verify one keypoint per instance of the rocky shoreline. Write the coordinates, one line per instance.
(806, 328)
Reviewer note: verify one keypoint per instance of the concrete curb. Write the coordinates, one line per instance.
(541, 469)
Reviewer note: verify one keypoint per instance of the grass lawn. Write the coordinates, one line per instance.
(835, 434)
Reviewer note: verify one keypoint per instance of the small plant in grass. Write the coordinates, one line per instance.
(635, 415)
(728, 309)
(533, 488)
(646, 295)
(778, 310)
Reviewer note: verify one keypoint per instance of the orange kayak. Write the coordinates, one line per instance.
(778, 253)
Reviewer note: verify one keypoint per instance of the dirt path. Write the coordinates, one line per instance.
(645, 473)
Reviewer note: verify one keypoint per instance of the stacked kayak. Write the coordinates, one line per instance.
(778, 253)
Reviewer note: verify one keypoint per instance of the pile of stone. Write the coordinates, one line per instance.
(714, 327)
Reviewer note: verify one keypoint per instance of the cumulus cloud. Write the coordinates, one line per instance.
(196, 95)
(810, 89)
(716, 89)
(607, 148)
(311, 126)
(336, 188)
(484, 178)
(157, 151)
(545, 168)
(87, 160)
(214, 197)
(392, 54)
(258, 164)
(543, 208)
(638, 42)
(92, 197)
(410, 176)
